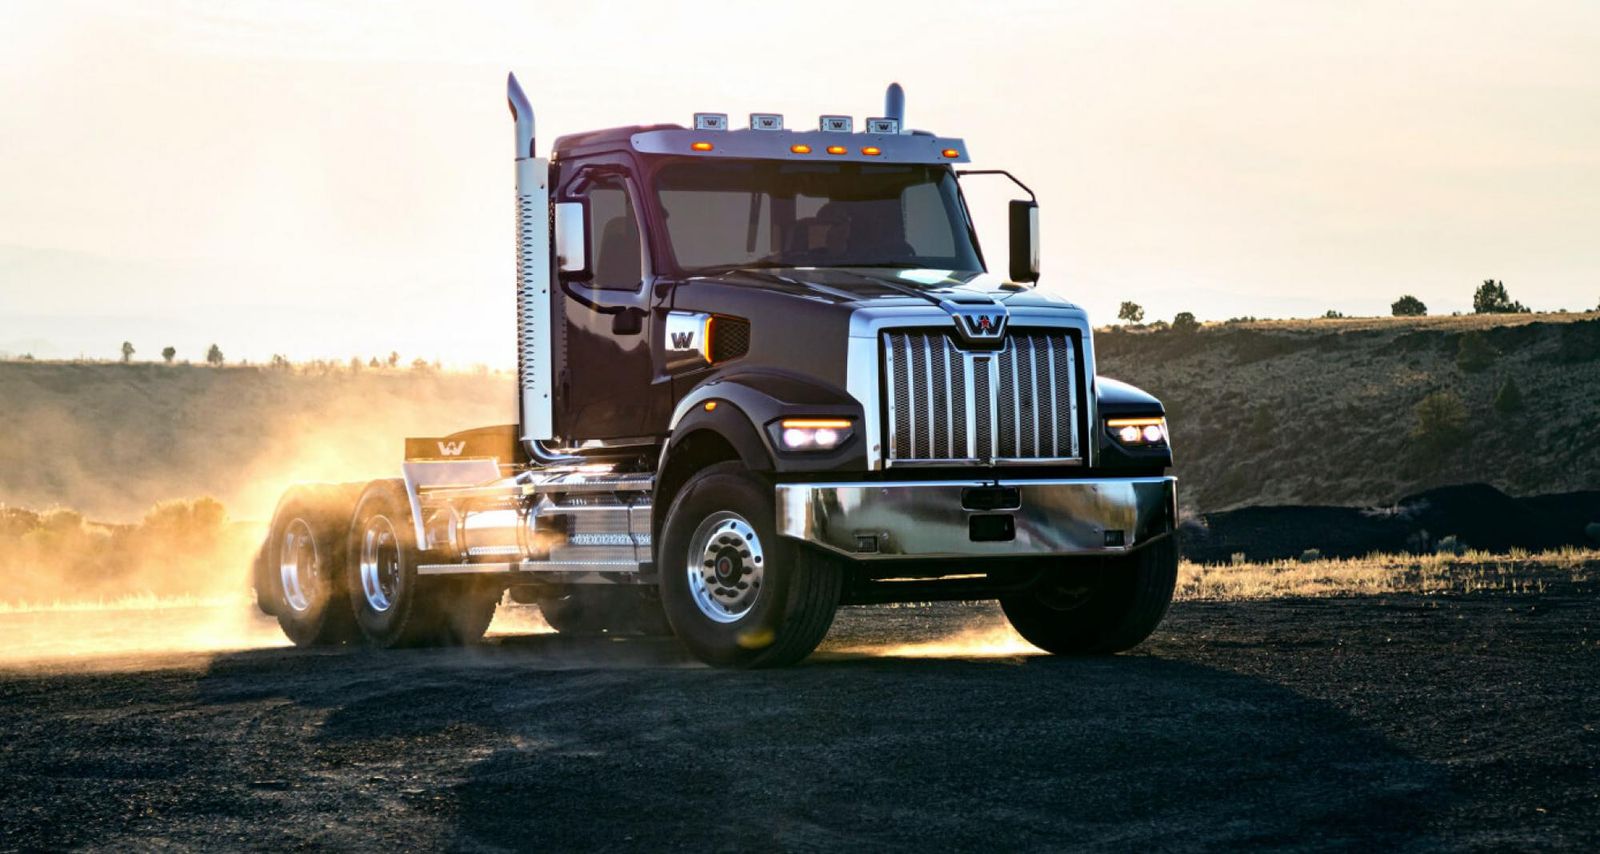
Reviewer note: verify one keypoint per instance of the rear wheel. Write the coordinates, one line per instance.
(391, 607)
(304, 567)
(735, 593)
(1107, 607)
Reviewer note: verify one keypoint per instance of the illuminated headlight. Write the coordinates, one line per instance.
(813, 434)
(1138, 432)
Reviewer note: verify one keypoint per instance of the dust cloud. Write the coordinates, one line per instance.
(120, 556)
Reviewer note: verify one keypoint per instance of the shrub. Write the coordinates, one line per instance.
(1408, 306)
(1310, 555)
(1491, 298)
(1474, 353)
(1184, 322)
(214, 356)
(1509, 398)
(1450, 546)
(1441, 422)
(168, 353)
(1131, 312)
(1332, 314)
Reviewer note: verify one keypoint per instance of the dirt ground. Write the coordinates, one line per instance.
(1441, 722)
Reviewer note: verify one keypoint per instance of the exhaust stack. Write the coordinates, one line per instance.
(534, 372)
(894, 105)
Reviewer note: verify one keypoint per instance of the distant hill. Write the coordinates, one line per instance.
(110, 440)
(1275, 412)
(1324, 411)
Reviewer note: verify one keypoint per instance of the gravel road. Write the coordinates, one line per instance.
(1424, 723)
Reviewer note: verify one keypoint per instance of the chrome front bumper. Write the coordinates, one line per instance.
(928, 519)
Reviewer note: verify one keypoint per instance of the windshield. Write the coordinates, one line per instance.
(752, 213)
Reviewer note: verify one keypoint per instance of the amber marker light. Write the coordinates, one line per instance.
(837, 149)
(700, 146)
(711, 406)
(872, 151)
(951, 152)
(800, 148)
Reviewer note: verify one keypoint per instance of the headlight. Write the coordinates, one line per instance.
(812, 434)
(1138, 432)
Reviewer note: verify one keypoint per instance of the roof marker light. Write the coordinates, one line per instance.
(871, 151)
(710, 121)
(837, 149)
(800, 148)
(836, 124)
(951, 152)
(766, 121)
(701, 146)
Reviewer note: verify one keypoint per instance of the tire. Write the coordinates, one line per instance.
(301, 579)
(393, 606)
(469, 608)
(606, 610)
(723, 525)
(1105, 608)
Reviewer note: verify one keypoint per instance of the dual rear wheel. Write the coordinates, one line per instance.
(334, 581)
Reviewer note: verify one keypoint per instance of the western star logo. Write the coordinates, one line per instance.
(451, 449)
(978, 323)
(682, 340)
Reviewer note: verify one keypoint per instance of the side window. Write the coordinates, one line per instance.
(927, 223)
(614, 230)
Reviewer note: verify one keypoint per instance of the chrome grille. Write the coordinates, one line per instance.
(945, 404)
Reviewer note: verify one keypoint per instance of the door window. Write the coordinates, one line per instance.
(614, 228)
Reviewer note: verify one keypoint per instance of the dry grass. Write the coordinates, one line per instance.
(1470, 572)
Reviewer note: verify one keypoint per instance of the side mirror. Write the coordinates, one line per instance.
(572, 240)
(1024, 241)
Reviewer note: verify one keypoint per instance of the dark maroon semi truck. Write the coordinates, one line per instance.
(763, 373)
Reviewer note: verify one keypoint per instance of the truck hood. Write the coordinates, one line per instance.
(887, 286)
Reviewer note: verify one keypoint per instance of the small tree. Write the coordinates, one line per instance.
(1491, 298)
(1332, 314)
(168, 353)
(214, 356)
(280, 362)
(374, 363)
(127, 352)
(1408, 306)
(1441, 422)
(1474, 353)
(1184, 322)
(394, 358)
(355, 364)
(1131, 312)
(1509, 398)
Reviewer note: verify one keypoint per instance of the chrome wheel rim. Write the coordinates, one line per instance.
(380, 564)
(726, 566)
(299, 566)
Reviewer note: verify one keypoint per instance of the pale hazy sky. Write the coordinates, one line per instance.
(327, 179)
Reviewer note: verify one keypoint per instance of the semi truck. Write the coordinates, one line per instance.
(762, 373)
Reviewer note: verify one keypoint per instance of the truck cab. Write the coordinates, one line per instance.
(762, 373)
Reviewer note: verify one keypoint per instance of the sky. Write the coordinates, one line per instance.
(327, 179)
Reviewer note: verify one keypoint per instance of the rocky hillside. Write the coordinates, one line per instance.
(1327, 411)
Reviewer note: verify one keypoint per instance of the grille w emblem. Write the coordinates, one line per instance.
(978, 323)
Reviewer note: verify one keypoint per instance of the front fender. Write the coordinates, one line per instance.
(743, 404)
(1114, 399)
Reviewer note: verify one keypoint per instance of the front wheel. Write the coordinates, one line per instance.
(736, 594)
(1098, 608)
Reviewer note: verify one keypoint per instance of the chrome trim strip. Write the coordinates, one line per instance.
(921, 520)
